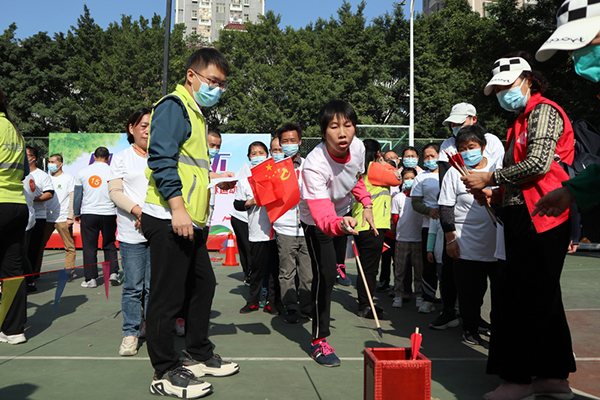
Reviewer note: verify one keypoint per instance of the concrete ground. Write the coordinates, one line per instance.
(73, 354)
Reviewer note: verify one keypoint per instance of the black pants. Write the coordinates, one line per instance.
(240, 228)
(448, 283)
(369, 248)
(530, 303)
(91, 226)
(27, 268)
(386, 260)
(13, 220)
(178, 267)
(35, 248)
(265, 267)
(430, 277)
(340, 249)
(471, 284)
(323, 257)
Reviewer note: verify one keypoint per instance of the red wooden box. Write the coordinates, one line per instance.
(389, 374)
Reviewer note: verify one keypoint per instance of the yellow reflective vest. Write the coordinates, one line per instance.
(192, 165)
(12, 163)
(382, 203)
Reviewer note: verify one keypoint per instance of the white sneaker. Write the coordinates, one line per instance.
(214, 366)
(426, 307)
(89, 284)
(397, 302)
(419, 302)
(114, 279)
(12, 339)
(129, 346)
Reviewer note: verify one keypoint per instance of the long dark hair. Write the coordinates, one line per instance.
(372, 147)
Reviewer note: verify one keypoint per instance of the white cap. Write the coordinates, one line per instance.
(577, 24)
(459, 113)
(505, 72)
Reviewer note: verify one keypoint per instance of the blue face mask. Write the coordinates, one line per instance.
(456, 129)
(206, 96)
(407, 184)
(52, 168)
(410, 162)
(212, 153)
(472, 157)
(290, 150)
(254, 161)
(587, 62)
(278, 156)
(430, 164)
(512, 99)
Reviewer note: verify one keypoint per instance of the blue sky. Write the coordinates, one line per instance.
(59, 15)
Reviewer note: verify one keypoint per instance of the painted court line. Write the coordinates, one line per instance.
(83, 358)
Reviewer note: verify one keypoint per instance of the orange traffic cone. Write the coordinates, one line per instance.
(230, 260)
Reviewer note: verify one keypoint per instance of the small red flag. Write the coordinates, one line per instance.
(265, 183)
(275, 186)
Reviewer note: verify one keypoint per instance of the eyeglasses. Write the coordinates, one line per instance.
(213, 83)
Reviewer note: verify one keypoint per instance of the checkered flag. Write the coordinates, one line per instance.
(572, 10)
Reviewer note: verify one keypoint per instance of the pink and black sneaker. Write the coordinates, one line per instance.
(324, 354)
(342, 278)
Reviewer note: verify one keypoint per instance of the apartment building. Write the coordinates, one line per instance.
(206, 18)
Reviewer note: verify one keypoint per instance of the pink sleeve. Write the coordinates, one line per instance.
(361, 194)
(325, 217)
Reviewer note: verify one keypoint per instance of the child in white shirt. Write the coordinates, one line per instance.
(408, 240)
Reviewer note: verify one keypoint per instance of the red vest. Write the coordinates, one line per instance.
(534, 189)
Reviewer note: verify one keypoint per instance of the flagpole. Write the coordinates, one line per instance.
(411, 128)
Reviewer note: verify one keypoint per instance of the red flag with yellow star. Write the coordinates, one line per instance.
(275, 186)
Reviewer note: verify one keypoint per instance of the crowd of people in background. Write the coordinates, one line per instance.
(498, 217)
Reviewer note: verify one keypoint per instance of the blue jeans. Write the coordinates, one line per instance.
(135, 259)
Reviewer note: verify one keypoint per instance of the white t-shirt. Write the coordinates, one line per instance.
(494, 150)
(29, 200)
(130, 167)
(475, 232)
(58, 207)
(39, 182)
(241, 215)
(259, 225)
(324, 178)
(427, 186)
(410, 222)
(289, 223)
(94, 179)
